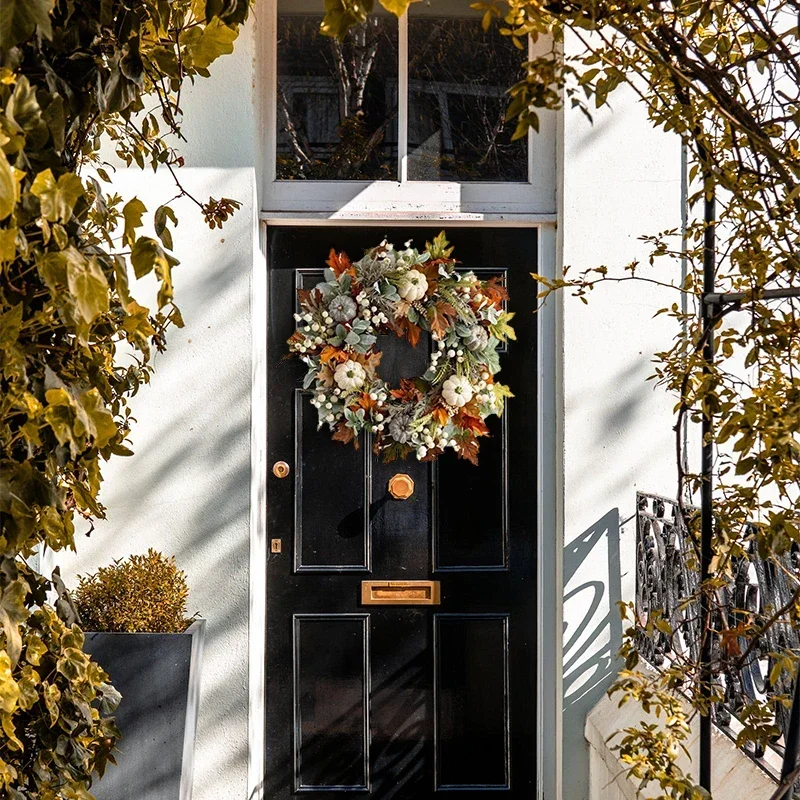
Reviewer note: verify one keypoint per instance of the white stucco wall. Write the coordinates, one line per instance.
(186, 491)
(621, 180)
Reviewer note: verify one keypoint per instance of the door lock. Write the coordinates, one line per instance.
(401, 486)
(280, 469)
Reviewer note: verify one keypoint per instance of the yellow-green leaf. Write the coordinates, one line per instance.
(397, 7)
(11, 734)
(57, 198)
(147, 255)
(35, 648)
(10, 324)
(19, 19)
(52, 694)
(341, 15)
(8, 187)
(9, 691)
(8, 244)
(101, 419)
(12, 613)
(88, 286)
(132, 213)
(205, 45)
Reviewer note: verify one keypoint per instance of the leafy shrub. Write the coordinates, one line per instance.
(139, 594)
(74, 73)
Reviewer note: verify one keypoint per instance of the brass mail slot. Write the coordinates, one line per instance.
(400, 593)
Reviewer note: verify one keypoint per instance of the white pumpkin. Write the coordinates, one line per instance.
(457, 391)
(349, 376)
(412, 285)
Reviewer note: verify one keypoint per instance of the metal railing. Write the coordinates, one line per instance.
(667, 581)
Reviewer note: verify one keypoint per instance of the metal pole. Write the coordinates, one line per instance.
(706, 492)
(792, 738)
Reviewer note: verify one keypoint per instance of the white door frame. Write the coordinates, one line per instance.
(550, 519)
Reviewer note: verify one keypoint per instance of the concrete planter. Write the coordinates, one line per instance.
(158, 675)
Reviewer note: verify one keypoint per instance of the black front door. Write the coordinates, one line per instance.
(400, 701)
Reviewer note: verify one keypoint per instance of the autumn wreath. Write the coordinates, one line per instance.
(407, 292)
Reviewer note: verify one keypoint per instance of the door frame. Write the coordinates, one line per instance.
(549, 439)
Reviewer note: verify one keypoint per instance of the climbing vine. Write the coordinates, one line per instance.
(75, 74)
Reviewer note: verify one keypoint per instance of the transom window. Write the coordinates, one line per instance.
(397, 106)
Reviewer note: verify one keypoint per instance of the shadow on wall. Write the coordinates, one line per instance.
(186, 491)
(593, 635)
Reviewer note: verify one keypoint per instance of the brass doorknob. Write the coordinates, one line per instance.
(401, 486)
(280, 469)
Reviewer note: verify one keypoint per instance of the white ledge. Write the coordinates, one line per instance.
(383, 217)
(733, 774)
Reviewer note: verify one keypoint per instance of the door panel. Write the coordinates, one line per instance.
(400, 701)
(338, 539)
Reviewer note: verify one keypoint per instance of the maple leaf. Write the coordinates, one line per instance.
(392, 452)
(339, 262)
(404, 327)
(495, 291)
(440, 317)
(438, 248)
(440, 415)
(430, 269)
(366, 402)
(370, 361)
(402, 308)
(325, 376)
(331, 353)
(468, 449)
(473, 424)
(344, 434)
(501, 330)
(408, 392)
(304, 296)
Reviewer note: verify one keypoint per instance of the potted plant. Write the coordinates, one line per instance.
(135, 618)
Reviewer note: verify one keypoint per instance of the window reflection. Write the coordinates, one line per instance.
(337, 101)
(458, 77)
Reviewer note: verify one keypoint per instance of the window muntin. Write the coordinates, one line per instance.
(340, 106)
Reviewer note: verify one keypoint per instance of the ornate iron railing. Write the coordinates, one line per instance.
(667, 578)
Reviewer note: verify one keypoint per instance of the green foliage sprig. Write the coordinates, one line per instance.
(144, 593)
(74, 73)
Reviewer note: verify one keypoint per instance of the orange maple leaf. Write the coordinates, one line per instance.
(468, 449)
(404, 327)
(339, 262)
(366, 402)
(495, 291)
(408, 392)
(331, 353)
(440, 415)
(473, 424)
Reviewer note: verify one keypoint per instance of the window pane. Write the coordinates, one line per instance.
(337, 101)
(458, 77)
